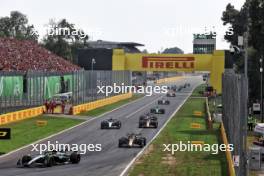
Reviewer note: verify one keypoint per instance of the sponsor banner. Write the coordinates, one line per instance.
(168, 62)
(5, 133)
(256, 107)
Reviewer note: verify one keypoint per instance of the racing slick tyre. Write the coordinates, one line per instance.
(120, 143)
(102, 126)
(156, 125)
(25, 160)
(49, 161)
(75, 158)
(143, 142)
(119, 125)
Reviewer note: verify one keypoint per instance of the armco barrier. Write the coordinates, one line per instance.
(167, 80)
(231, 169)
(99, 103)
(209, 117)
(20, 115)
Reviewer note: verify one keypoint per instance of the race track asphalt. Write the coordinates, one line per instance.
(111, 160)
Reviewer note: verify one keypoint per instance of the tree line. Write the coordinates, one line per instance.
(249, 18)
(65, 45)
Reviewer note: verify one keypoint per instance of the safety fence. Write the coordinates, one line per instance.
(23, 90)
(234, 117)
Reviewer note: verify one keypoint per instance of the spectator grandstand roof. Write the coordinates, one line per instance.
(25, 55)
(130, 47)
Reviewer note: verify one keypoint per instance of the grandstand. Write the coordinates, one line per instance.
(25, 55)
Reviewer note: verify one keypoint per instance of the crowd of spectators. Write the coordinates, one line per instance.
(25, 55)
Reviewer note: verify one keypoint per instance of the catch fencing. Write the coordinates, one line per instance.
(21, 90)
(234, 100)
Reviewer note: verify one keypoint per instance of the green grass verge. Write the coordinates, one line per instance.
(156, 162)
(200, 88)
(26, 131)
(104, 109)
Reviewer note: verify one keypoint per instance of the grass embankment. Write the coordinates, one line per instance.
(156, 162)
(26, 131)
(104, 109)
(197, 92)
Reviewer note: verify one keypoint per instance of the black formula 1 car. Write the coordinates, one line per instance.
(148, 121)
(132, 140)
(163, 102)
(179, 88)
(173, 87)
(171, 94)
(157, 110)
(111, 124)
(186, 85)
(49, 159)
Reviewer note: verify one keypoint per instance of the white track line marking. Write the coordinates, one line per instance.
(142, 151)
(68, 129)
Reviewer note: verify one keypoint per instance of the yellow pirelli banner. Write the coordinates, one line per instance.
(213, 63)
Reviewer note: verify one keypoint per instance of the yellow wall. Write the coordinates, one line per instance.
(33, 112)
(231, 169)
(213, 63)
(20, 115)
(168, 80)
(99, 103)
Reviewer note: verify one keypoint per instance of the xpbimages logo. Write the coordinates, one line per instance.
(190, 147)
(117, 89)
(82, 148)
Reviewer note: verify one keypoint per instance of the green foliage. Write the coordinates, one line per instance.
(174, 50)
(65, 44)
(17, 26)
(238, 20)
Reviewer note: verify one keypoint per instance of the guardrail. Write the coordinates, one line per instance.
(33, 112)
(99, 103)
(20, 115)
(231, 169)
(209, 117)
